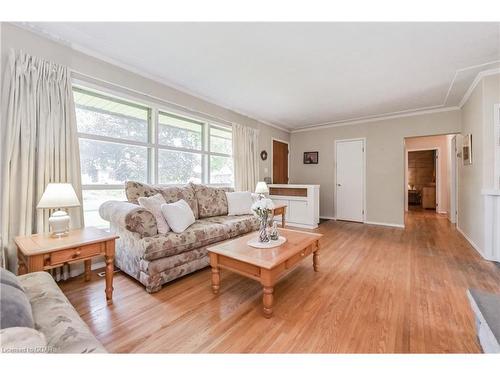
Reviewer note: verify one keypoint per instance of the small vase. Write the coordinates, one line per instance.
(263, 236)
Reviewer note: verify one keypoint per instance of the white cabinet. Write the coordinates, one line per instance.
(302, 203)
(297, 211)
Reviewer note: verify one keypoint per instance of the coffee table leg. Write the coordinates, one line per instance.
(215, 279)
(267, 300)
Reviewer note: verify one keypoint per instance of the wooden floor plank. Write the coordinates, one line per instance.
(379, 290)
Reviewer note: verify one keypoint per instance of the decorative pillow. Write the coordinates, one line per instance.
(15, 308)
(153, 204)
(7, 277)
(171, 194)
(239, 203)
(211, 201)
(179, 215)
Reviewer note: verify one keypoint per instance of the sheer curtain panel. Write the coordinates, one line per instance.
(40, 145)
(246, 159)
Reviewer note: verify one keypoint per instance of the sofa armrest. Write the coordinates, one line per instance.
(129, 216)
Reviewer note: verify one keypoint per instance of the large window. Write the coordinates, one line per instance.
(121, 140)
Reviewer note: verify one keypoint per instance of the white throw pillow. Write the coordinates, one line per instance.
(179, 215)
(239, 203)
(153, 205)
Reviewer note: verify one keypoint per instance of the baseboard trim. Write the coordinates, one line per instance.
(328, 217)
(304, 226)
(385, 224)
(477, 248)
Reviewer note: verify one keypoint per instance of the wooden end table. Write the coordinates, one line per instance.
(280, 209)
(41, 252)
(264, 265)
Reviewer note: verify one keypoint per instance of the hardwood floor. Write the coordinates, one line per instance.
(379, 290)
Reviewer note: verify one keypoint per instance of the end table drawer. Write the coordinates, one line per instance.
(76, 253)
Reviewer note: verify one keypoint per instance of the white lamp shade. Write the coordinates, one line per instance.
(261, 188)
(58, 196)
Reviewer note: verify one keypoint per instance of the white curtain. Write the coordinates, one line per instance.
(246, 158)
(40, 145)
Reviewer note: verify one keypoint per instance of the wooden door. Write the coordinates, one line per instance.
(280, 162)
(350, 178)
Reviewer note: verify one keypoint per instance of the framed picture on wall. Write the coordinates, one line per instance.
(311, 157)
(467, 149)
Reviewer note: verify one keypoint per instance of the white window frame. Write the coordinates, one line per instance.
(152, 144)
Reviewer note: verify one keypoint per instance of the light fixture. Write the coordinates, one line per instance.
(59, 195)
(261, 189)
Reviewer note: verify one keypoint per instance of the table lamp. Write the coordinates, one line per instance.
(261, 189)
(59, 195)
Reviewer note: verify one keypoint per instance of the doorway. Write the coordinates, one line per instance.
(279, 157)
(350, 179)
(430, 174)
(422, 179)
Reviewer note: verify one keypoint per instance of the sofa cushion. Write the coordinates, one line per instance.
(15, 308)
(211, 201)
(134, 190)
(201, 233)
(235, 225)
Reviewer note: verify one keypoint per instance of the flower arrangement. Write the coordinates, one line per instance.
(261, 209)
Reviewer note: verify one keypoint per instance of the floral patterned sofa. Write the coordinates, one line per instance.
(155, 259)
(58, 327)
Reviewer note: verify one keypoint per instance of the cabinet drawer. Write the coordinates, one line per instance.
(298, 257)
(76, 253)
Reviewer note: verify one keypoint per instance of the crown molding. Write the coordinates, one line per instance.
(352, 121)
(479, 77)
(129, 68)
(463, 70)
(368, 119)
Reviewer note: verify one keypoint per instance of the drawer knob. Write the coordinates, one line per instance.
(76, 254)
(302, 254)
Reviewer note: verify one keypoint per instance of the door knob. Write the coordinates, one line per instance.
(339, 185)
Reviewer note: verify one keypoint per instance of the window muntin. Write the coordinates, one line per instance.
(179, 132)
(221, 140)
(106, 116)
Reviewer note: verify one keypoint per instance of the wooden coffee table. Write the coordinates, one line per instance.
(263, 265)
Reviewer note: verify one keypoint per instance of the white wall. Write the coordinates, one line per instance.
(477, 119)
(18, 38)
(385, 160)
(440, 142)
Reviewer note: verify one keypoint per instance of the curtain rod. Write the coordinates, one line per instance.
(155, 98)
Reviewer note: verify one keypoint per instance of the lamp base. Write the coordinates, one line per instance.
(59, 223)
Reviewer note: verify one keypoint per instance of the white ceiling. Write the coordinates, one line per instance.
(297, 75)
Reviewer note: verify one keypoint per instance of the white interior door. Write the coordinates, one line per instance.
(350, 184)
